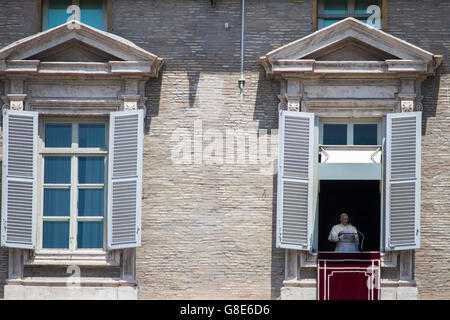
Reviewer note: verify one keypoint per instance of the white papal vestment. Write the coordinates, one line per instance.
(344, 243)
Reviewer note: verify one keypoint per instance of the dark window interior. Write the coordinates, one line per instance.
(334, 134)
(365, 134)
(360, 199)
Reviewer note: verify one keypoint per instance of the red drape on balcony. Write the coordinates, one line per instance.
(349, 276)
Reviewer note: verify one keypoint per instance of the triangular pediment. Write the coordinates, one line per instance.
(74, 51)
(349, 41)
(350, 49)
(76, 42)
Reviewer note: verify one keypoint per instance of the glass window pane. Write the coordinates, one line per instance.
(335, 7)
(329, 22)
(334, 134)
(92, 13)
(57, 12)
(56, 202)
(57, 170)
(90, 202)
(365, 134)
(56, 234)
(91, 135)
(91, 170)
(90, 234)
(58, 135)
(362, 5)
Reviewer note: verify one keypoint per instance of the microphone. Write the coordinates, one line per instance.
(362, 239)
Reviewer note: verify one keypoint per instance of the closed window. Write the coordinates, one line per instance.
(365, 134)
(72, 183)
(332, 11)
(350, 133)
(57, 12)
(74, 157)
(334, 134)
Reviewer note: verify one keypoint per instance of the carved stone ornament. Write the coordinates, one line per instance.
(16, 105)
(293, 106)
(130, 105)
(407, 106)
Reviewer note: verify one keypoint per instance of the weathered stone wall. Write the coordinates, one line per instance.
(426, 24)
(208, 225)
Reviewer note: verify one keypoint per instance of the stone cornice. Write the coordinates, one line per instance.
(131, 59)
(345, 29)
(394, 56)
(29, 67)
(286, 68)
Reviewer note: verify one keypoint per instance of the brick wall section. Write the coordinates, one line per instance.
(426, 24)
(208, 228)
(18, 19)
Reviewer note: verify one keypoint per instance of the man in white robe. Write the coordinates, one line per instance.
(344, 235)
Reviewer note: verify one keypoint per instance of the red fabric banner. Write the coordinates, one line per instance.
(348, 276)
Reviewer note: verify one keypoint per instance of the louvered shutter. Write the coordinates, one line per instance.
(295, 175)
(19, 189)
(125, 179)
(403, 149)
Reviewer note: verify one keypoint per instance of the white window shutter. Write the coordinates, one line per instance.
(19, 181)
(295, 180)
(125, 179)
(403, 151)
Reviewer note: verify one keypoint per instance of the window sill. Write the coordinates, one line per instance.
(103, 282)
(86, 258)
(387, 259)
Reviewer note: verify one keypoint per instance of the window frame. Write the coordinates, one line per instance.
(43, 7)
(350, 129)
(319, 16)
(74, 152)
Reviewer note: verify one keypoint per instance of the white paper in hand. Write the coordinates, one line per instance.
(348, 234)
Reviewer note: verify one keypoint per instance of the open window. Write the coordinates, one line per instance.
(361, 200)
(350, 179)
(351, 182)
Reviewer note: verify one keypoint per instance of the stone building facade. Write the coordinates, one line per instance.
(208, 226)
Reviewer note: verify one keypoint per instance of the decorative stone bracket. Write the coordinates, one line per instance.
(16, 101)
(291, 95)
(407, 105)
(411, 103)
(130, 102)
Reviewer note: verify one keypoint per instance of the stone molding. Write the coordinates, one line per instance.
(17, 58)
(16, 101)
(396, 57)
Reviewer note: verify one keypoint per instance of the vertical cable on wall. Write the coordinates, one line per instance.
(242, 78)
